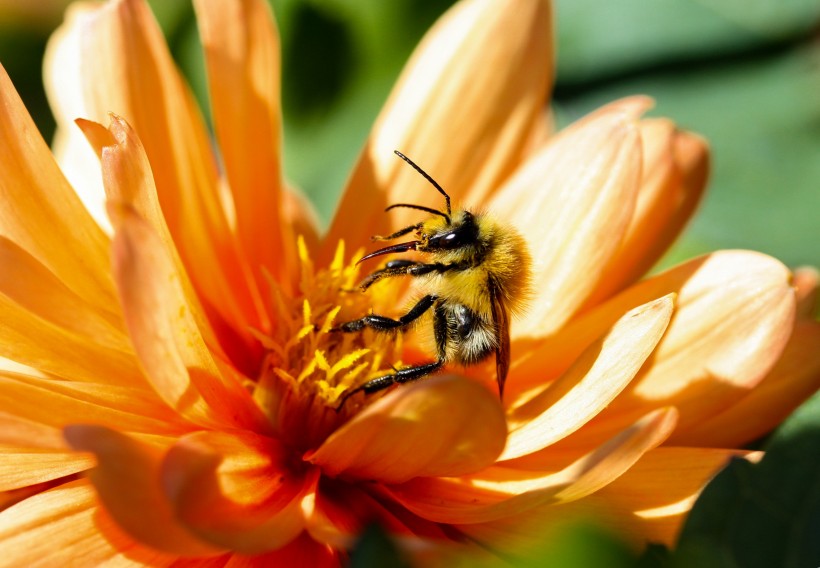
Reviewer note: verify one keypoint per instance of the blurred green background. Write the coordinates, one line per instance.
(743, 73)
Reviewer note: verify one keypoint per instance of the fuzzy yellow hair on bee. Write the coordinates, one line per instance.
(475, 274)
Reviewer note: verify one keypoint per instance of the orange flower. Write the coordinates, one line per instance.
(175, 401)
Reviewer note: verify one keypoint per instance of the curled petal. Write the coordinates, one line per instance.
(166, 336)
(806, 285)
(794, 378)
(444, 426)
(572, 201)
(127, 480)
(462, 110)
(674, 174)
(593, 381)
(236, 491)
(59, 526)
(302, 551)
(498, 492)
(733, 316)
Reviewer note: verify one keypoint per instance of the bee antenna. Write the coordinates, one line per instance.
(428, 178)
(421, 208)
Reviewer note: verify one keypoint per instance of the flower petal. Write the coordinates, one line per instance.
(794, 378)
(302, 551)
(734, 315)
(127, 480)
(57, 403)
(113, 57)
(807, 289)
(41, 214)
(675, 171)
(30, 340)
(63, 526)
(242, 57)
(23, 468)
(443, 426)
(236, 490)
(166, 335)
(462, 110)
(593, 381)
(572, 201)
(499, 492)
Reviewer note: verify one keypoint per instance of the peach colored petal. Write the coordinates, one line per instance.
(656, 494)
(166, 336)
(22, 468)
(794, 378)
(127, 480)
(499, 492)
(443, 426)
(41, 214)
(302, 551)
(50, 348)
(806, 284)
(64, 526)
(572, 201)
(236, 491)
(648, 503)
(734, 315)
(594, 380)
(675, 171)
(57, 403)
(113, 58)
(241, 46)
(462, 110)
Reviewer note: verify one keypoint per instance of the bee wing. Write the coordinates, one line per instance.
(501, 317)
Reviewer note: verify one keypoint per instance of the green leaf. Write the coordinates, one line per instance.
(765, 514)
(375, 550)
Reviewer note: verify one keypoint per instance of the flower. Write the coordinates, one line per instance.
(170, 388)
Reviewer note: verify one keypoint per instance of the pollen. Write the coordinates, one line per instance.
(309, 364)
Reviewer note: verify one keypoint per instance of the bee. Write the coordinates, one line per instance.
(475, 273)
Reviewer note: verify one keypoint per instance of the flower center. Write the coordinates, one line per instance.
(309, 365)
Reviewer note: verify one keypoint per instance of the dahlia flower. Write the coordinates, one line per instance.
(171, 381)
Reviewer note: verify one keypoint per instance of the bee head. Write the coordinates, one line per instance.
(460, 232)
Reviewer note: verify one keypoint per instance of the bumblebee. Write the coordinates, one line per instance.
(475, 273)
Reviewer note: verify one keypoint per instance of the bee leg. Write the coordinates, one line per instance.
(384, 323)
(404, 375)
(392, 268)
(397, 234)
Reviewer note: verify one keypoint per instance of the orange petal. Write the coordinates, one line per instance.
(462, 110)
(302, 551)
(794, 378)
(166, 336)
(806, 286)
(40, 212)
(675, 171)
(64, 526)
(242, 57)
(23, 468)
(734, 314)
(127, 480)
(298, 212)
(236, 490)
(52, 349)
(113, 58)
(499, 492)
(57, 403)
(593, 381)
(572, 201)
(654, 497)
(648, 503)
(444, 426)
